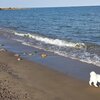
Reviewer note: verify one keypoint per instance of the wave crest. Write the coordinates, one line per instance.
(79, 51)
(51, 41)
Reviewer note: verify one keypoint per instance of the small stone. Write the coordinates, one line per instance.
(17, 55)
(43, 55)
(30, 54)
(19, 59)
(24, 53)
(3, 50)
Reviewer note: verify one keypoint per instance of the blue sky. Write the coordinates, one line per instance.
(47, 3)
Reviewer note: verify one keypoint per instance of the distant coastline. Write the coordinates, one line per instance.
(12, 8)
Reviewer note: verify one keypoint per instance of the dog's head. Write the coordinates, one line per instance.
(92, 73)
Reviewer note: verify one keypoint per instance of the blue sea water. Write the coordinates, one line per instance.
(68, 31)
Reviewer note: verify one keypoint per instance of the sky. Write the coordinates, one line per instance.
(47, 3)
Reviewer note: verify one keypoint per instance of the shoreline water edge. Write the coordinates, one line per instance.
(28, 80)
(69, 32)
(65, 65)
(48, 53)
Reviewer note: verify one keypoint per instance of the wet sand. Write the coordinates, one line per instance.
(26, 80)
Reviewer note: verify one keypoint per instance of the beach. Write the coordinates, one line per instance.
(26, 80)
(48, 53)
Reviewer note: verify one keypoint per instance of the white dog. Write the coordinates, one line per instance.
(94, 79)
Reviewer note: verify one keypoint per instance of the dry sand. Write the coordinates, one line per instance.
(25, 80)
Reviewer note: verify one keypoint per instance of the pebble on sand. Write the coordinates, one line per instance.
(19, 59)
(43, 55)
(24, 53)
(17, 55)
(30, 54)
(3, 50)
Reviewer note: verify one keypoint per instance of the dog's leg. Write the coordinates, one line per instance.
(95, 84)
(98, 84)
(90, 83)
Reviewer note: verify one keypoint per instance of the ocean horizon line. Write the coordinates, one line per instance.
(74, 6)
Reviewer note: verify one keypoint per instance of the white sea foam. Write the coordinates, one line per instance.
(84, 56)
(56, 45)
(51, 41)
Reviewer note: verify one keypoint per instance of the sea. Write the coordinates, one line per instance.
(72, 32)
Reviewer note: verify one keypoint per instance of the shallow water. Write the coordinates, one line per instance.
(70, 31)
(67, 66)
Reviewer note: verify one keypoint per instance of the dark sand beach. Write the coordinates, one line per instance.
(26, 80)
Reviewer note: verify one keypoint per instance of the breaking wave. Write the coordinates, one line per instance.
(64, 48)
(56, 42)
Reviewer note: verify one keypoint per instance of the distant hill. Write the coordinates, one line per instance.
(12, 8)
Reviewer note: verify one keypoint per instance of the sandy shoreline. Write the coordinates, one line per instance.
(26, 80)
(66, 65)
(30, 80)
